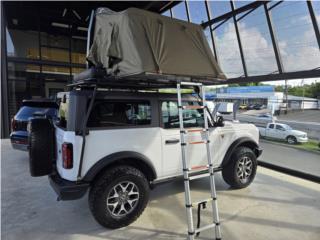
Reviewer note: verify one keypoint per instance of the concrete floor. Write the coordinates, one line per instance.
(274, 207)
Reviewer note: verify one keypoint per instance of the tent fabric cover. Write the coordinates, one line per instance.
(136, 41)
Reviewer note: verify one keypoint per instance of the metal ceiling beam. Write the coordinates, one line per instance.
(233, 13)
(246, 14)
(274, 5)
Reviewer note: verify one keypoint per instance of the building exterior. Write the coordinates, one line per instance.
(262, 95)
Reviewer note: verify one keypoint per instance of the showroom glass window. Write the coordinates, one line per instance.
(198, 13)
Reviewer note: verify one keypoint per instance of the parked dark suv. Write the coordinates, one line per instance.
(30, 108)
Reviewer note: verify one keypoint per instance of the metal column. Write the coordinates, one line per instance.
(4, 78)
(314, 21)
(239, 41)
(211, 32)
(273, 39)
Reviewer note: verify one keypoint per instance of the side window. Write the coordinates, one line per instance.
(170, 115)
(278, 127)
(120, 113)
(271, 126)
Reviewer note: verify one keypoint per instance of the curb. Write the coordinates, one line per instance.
(289, 146)
(291, 172)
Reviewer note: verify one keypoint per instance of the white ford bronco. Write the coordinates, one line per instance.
(131, 143)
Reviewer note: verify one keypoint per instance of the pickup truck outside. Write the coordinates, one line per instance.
(283, 132)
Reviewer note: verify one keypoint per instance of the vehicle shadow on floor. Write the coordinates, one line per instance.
(177, 186)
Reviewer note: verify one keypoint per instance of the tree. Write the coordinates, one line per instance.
(279, 88)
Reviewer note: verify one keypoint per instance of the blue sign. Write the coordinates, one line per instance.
(210, 96)
(247, 89)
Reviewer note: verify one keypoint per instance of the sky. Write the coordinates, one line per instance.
(293, 28)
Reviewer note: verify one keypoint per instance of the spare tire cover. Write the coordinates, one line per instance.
(41, 146)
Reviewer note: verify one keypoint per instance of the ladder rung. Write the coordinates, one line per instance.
(192, 107)
(195, 130)
(199, 167)
(206, 201)
(205, 227)
(199, 176)
(198, 142)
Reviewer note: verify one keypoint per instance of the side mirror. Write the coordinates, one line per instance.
(215, 110)
(219, 122)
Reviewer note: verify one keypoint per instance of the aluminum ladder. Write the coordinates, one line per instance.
(192, 231)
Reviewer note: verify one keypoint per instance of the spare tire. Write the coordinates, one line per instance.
(41, 146)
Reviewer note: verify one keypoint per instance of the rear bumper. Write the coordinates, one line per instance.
(67, 190)
(19, 141)
(18, 146)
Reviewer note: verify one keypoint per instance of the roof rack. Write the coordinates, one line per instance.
(98, 76)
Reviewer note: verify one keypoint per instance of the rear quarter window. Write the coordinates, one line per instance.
(120, 113)
(271, 126)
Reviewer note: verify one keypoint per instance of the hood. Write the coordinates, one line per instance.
(297, 132)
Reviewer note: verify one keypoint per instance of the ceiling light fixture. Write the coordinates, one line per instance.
(79, 37)
(64, 12)
(82, 29)
(77, 15)
(62, 25)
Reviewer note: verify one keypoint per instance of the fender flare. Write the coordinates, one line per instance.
(136, 159)
(243, 141)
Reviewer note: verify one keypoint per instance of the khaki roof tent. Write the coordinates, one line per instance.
(138, 47)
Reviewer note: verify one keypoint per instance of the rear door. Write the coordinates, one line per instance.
(170, 132)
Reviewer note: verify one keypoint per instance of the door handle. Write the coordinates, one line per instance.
(172, 141)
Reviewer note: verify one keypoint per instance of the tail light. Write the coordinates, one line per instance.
(67, 155)
(13, 124)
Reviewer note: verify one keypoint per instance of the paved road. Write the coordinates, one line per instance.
(291, 158)
(302, 116)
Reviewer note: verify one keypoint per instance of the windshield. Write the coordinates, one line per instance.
(286, 127)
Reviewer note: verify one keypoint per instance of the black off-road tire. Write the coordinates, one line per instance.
(229, 172)
(41, 146)
(104, 184)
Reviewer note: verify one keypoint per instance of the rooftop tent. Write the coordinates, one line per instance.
(137, 44)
